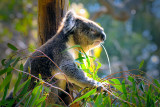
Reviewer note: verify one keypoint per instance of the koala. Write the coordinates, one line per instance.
(74, 30)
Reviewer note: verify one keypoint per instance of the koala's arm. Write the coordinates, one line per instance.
(76, 75)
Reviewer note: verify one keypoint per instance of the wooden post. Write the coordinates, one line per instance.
(50, 14)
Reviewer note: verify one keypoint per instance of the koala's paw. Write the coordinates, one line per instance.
(101, 87)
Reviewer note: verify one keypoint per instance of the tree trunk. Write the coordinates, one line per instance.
(50, 14)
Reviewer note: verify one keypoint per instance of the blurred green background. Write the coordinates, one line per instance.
(132, 28)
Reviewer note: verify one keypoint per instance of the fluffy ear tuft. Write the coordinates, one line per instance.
(69, 21)
(70, 14)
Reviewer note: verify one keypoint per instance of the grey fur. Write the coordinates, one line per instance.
(74, 30)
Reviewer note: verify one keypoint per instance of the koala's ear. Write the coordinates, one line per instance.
(69, 21)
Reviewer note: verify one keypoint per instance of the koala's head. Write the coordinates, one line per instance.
(84, 32)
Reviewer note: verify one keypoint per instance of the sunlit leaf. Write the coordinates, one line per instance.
(141, 64)
(32, 47)
(99, 65)
(117, 84)
(35, 95)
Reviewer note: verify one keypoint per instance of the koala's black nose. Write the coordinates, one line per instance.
(103, 36)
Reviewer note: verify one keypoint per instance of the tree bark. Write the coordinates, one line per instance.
(50, 14)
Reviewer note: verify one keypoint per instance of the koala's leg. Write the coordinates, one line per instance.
(76, 75)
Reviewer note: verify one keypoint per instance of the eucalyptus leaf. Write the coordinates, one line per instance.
(12, 47)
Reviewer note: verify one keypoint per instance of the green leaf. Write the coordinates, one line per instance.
(9, 63)
(10, 103)
(9, 69)
(16, 61)
(40, 100)
(17, 105)
(130, 78)
(99, 65)
(17, 83)
(5, 82)
(7, 86)
(3, 62)
(140, 103)
(156, 82)
(133, 99)
(35, 95)
(80, 58)
(150, 99)
(99, 100)
(21, 67)
(28, 101)
(124, 89)
(141, 64)
(12, 47)
(40, 77)
(107, 102)
(85, 95)
(117, 84)
(44, 104)
(22, 85)
(133, 83)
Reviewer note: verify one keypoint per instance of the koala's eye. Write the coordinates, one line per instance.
(92, 31)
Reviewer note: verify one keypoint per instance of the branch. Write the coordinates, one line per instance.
(121, 11)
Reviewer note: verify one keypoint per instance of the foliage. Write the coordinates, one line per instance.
(20, 95)
(133, 90)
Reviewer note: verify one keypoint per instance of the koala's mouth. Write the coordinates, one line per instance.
(97, 42)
